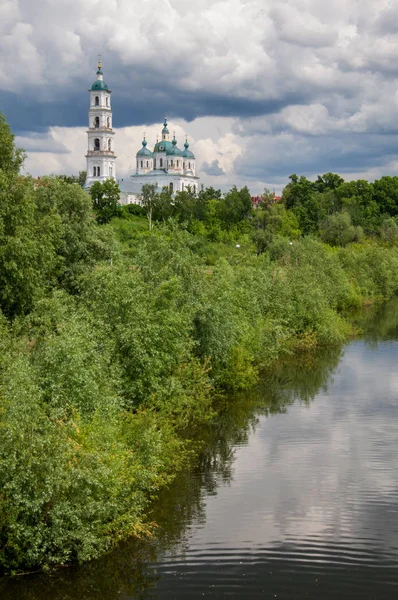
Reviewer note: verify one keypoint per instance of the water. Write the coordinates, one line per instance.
(296, 494)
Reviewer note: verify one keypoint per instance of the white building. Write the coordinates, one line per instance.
(100, 153)
(166, 166)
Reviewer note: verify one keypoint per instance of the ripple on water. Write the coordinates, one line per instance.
(311, 509)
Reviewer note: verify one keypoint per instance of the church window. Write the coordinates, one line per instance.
(94, 171)
(96, 101)
(171, 163)
(189, 165)
(147, 163)
(98, 171)
(110, 172)
(108, 123)
(171, 188)
(96, 144)
(96, 122)
(142, 164)
(109, 145)
(161, 162)
(107, 101)
(154, 163)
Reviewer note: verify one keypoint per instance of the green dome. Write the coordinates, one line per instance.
(99, 85)
(187, 153)
(174, 151)
(165, 129)
(144, 150)
(163, 146)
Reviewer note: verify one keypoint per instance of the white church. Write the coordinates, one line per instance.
(165, 166)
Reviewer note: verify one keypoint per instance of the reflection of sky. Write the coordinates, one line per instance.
(322, 476)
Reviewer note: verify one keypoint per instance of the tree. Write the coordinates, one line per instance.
(164, 207)
(389, 231)
(80, 178)
(11, 158)
(357, 198)
(327, 182)
(337, 230)
(235, 206)
(149, 198)
(385, 193)
(105, 198)
(298, 191)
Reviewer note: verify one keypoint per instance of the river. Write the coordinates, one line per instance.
(295, 496)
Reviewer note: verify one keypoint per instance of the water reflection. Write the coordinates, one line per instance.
(302, 504)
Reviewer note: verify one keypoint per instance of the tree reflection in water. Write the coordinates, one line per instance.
(129, 571)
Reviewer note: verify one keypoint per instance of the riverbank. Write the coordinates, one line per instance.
(276, 456)
(98, 385)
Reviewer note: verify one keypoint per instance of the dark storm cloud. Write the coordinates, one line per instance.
(283, 155)
(132, 105)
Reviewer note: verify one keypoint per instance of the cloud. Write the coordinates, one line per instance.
(297, 82)
(212, 169)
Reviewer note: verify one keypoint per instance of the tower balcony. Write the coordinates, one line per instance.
(100, 153)
(99, 129)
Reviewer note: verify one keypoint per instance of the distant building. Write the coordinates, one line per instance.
(256, 200)
(165, 166)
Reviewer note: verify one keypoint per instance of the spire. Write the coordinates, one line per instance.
(165, 131)
(99, 71)
(165, 128)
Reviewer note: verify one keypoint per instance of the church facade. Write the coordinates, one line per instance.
(164, 166)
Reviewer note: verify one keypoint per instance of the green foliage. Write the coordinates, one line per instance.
(11, 158)
(105, 197)
(108, 350)
(80, 178)
(337, 230)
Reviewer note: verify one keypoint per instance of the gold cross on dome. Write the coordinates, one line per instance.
(99, 60)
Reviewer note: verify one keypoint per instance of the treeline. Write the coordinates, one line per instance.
(114, 338)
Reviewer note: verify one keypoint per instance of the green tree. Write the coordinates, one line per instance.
(11, 158)
(337, 230)
(328, 182)
(234, 206)
(163, 206)
(357, 198)
(105, 197)
(149, 199)
(80, 178)
(297, 192)
(385, 193)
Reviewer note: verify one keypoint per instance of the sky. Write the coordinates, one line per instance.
(263, 88)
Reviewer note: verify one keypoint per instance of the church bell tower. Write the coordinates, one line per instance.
(100, 153)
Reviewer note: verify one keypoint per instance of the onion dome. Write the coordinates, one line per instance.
(163, 146)
(165, 129)
(187, 153)
(144, 150)
(174, 151)
(99, 84)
